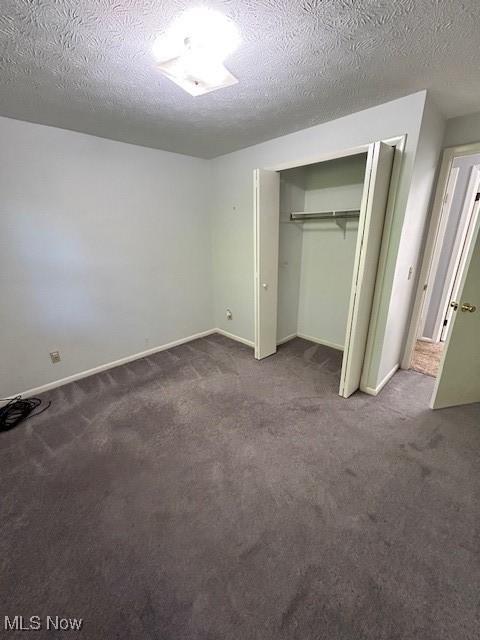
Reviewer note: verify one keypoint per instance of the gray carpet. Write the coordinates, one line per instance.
(200, 494)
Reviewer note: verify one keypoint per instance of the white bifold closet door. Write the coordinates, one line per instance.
(367, 253)
(267, 221)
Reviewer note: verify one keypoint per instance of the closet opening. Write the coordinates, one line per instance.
(319, 214)
(318, 236)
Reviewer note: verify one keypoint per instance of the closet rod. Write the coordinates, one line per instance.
(325, 215)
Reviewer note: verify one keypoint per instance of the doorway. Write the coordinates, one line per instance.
(319, 219)
(319, 215)
(440, 312)
(462, 184)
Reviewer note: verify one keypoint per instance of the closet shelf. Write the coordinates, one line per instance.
(325, 215)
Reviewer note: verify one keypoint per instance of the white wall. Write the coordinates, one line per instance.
(105, 251)
(328, 251)
(458, 131)
(290, 239)
(232, 212)
(336, 184)
(328, 255)
(108, 249)
(396, 319)
(462, 130)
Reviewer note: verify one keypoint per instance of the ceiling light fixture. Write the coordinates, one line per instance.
(192, 51)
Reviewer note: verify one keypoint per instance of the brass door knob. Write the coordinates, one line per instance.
(466, 306)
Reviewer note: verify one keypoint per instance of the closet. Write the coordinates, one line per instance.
(318, 235)
(319, 212)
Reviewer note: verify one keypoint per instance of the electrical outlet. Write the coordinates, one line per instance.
(55, 356)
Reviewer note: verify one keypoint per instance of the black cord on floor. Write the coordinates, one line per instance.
(17, 410)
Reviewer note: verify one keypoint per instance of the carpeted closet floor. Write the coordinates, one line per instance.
(199, 494)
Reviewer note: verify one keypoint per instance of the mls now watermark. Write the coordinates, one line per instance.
(35, 623)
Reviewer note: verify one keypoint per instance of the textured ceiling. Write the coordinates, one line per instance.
(86, 65)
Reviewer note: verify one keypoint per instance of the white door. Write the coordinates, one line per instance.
(370, 230)
(455, 266)
(458, 380)
(267, 220)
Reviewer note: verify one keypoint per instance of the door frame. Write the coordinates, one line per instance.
(398, 142)
(454, 263)
(437, 220)
(437, 250)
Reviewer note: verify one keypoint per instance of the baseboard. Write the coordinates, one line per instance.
(325, 343)
(424, 339)
(110, 365)
(286, 339)
(374, 391)
(232, 336)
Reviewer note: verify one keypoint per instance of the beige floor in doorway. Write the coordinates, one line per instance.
(426, 357)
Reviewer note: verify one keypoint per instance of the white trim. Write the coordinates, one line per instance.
(325, 343)
(232, 336)
(466, 214)
(446, 210)
(425, 271)
(323, 157)
(116, 363)
(110, 365)
(256, 266)
(374, 391)
(448, 156)
(465, 149)
(395, 141)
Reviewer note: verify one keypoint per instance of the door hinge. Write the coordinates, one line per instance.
(445, 322)
(477, 197)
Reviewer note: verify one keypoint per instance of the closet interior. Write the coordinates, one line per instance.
(319, 210)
